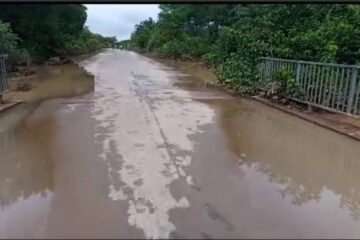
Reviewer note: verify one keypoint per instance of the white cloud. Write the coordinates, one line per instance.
(118, 19)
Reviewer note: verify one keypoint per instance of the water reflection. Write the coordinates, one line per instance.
(304, 159)
(58, 81)
(26, 139)
(25, 160)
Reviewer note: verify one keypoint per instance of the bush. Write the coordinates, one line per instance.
(283, 84)
(9, 45)
(8, 40)
(172, 49)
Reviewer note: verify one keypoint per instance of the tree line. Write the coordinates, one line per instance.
(40, 31)
(231, 37)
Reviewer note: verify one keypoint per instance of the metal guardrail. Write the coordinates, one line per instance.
(334, 87)
(3, 76)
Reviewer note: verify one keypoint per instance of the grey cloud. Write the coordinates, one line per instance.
(118, 19)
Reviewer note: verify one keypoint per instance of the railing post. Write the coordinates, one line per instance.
(351, 90)
(3, 79)
(267, 69)
(298, 69)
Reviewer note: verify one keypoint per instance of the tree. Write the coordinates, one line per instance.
(234, 36)
(44, 27)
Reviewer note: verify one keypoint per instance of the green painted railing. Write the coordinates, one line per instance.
(333, 87)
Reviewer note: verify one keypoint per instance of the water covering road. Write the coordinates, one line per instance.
(153, 152)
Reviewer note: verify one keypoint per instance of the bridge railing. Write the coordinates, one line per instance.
(3, 76)
(334, 87)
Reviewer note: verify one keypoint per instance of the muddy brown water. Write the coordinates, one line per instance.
(55, 81)
(147, 150)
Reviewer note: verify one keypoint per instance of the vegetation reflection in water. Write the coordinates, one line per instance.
(303, 158)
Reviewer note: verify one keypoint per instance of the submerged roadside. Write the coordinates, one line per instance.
(69, 79)
(345, 125)
(47, 82)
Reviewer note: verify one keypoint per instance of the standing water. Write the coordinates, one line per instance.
(154, 152)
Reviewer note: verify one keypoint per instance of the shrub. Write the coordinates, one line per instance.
(9, 45)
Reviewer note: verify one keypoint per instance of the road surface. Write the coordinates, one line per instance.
(155, 153)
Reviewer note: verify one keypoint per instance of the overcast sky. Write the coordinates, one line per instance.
(118, 19)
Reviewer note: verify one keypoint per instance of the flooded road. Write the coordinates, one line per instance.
(153, 152)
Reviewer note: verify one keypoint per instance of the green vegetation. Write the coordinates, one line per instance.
(232, 37)
(9, 44)
(283, 84)
(42, 31)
